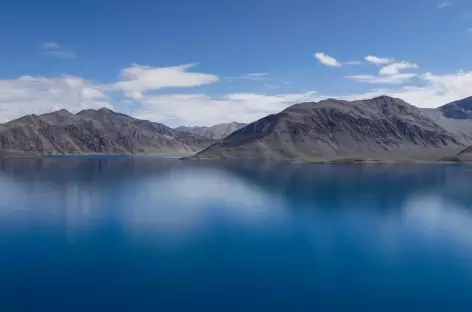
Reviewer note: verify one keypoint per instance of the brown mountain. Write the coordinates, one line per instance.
(382, 128)
(95, 131)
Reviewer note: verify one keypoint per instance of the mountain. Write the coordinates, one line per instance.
(465, 155)
(456, 117)
(381, 128)
(216, 132)
(94, 131)
(461, 109)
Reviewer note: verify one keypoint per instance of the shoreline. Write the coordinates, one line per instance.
(336, 161)
(186, 157)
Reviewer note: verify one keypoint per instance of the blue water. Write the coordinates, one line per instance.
(149, 234)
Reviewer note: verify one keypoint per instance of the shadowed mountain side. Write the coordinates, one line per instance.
(461, 109)
(382, 128)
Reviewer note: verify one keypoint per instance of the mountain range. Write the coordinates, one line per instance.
(379, 129)
(101, 131)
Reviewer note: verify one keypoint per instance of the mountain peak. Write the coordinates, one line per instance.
(380, 128)
(61, 112)
(385, 98)
(105, 109)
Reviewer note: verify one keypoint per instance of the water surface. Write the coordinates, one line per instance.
(149, 234)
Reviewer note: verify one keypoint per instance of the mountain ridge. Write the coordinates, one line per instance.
(101, 131)
(382, 128)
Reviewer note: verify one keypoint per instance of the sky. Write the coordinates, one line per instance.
(187, 62)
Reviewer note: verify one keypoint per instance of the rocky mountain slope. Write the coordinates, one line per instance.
(216, 132)
(456, 117)
(382, 128)
(95, 131)
(465, 155)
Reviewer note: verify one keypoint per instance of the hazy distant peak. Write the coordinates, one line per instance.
(215, 132)
(61, 112)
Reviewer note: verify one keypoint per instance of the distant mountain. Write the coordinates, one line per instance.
(216, 132)
(461, 109)
(465, 155)
(94, 131)
(382, 128)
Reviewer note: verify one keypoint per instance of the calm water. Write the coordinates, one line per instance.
(146, 234)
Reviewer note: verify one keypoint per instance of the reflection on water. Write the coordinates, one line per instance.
(298, 236)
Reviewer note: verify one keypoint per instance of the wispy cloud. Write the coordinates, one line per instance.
(136, 79)
(379, 79)
(332, 62)
(378, 60)
(443, 4)
(389, 73)
(395, 68)
(251, 76)
(53, 49)
(327, 60)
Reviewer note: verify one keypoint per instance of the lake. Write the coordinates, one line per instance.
(150, 234)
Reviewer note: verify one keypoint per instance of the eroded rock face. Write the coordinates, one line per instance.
(95, 131)
(380, 128)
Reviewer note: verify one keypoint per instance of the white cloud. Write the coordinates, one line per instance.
(378, 60)
(37, 95)
(327, 60)
(54, 49)
(391, 79)
(443, 4)
(389, 72)
(436, 90)
(257, 74)
(199, 109)
(204, 110)
(137, 79)
(27, 94)
(395, 68)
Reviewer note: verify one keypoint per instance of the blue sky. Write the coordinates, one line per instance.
(204, 62)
